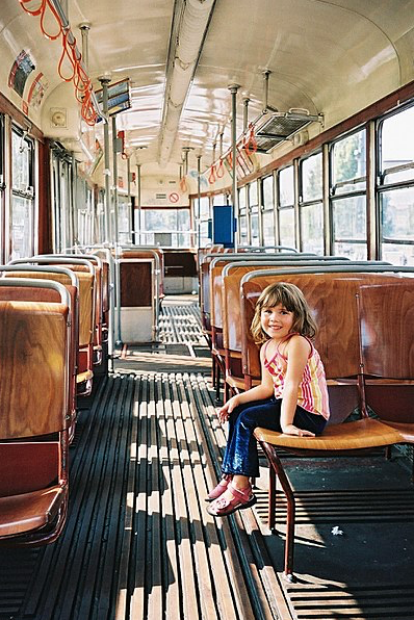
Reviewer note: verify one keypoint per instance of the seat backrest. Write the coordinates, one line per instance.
(232, 276)
(332, 298)
(34, 354)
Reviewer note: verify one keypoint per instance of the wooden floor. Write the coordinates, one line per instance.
(139, 544)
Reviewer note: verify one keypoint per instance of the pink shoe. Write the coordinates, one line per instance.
(242, 498)
(220, 488)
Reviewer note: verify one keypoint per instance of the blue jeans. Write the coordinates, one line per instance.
(241, 456)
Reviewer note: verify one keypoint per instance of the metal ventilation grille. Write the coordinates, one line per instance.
(280, 127)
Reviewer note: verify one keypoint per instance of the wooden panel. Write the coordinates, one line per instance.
(186, 260)
(33, 369)
(137, 289)
(332, 298)
(387, 329)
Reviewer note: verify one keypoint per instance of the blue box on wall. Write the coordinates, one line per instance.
(223, 225)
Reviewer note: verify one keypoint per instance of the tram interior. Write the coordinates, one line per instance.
(161, 163)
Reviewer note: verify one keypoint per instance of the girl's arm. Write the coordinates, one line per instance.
(259, 392)
(297, 353)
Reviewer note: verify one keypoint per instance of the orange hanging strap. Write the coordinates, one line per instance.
(183, 185)
(41, 8)
(66, 53)
(220, 169)
(212, 175)
(47, 34)
(250, 145)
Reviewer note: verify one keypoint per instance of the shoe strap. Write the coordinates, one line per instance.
(240, 494)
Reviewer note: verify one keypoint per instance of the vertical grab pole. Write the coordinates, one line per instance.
(233, 88)
(198, 201)
(115, 184)
(138, 239)
(107, 171)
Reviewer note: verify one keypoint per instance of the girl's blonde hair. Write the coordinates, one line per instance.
(291, 298)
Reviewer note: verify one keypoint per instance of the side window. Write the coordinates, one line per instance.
(311, 205)
(22, 215)
(243, 228)
(396, 187)
(268, 216)
(285, 208)
(348, 196)
(254, 213)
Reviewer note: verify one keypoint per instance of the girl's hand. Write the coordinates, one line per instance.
(291, 429)
(227, 408)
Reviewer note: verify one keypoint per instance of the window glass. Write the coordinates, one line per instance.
(349, 224)
(268, 219)
(253, 194)
(242, 198)
(349, 163)
(311, 228)
(397, 224)
(219, 199)
(397, 146)
(311, 178)
(168, 227)
(204, 207)
(286, 187)
(254, 223)
(22, 197)
(287, 227)
(268, 193)
(243, 232)
(124, 218)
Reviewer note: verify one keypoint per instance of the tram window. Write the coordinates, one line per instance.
(254, 223)
(349, 164)
(243, 221)
(22, 196)
(349, 217)
(397, 147)
(254, 213)
(99, 221)
(204, 207)
(175, 222)
(348, 196)
(203, 218)
(286, 211)
(397, 225)
(124, 219)
(286, 187)
(253, 194)
(310, 205)
(311, 228)
(396, 187)
(311, 178)
(219, 199)
(287, 227)
(268, 216)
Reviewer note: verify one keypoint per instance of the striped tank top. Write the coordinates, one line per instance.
(312, 391)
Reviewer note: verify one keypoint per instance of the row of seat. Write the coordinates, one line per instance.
(364, 313)
(54, 324)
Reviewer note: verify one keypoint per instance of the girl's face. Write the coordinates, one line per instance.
(276, 321)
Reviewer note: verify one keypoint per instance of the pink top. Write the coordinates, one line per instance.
(312, 391)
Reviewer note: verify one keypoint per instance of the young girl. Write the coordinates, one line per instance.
(292, 397)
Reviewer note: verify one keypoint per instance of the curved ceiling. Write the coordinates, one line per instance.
(182, 55)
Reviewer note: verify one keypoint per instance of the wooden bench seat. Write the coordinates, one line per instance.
(35, 343)
(365, 341)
